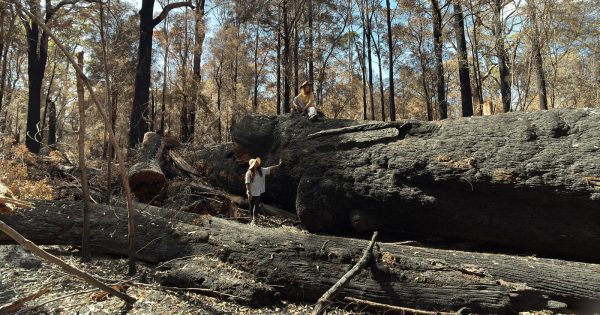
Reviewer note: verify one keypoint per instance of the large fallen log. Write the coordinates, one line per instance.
(300, 266)
(528, 182)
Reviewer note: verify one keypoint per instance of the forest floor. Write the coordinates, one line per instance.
(22, 274)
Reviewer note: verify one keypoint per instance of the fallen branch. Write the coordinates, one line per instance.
(361, 264)
(358, 128)
(15, 306)
(394, 308)
(202, 291)
(27, 244)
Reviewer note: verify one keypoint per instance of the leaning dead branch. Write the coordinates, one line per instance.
(36, 250)
(361, 264)
(394, 309)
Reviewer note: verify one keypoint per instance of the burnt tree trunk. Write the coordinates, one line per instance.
(138, 124)
(504, 71)
(146, 177)
(463, 63)
(538, 61)
(525, 181)
(301, 267)
(439, 60)
(392, 104)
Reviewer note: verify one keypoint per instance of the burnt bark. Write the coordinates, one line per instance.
(538, 60)
(138, 124)
(463, 63)
(505, 80)
(530, 183)
(274, 263)
(392, 104)
(439, 61)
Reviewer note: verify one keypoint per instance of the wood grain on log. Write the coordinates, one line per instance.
(300, 266)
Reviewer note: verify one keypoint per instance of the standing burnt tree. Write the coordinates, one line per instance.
(37, 56)
(138, 126)
(501, 56)
(391, 57)
(538, 62)
(463, 64)
(439, 62)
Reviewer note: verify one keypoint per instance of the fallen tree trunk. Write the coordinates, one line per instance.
(526, 182)
(146, 177)
(300, 266)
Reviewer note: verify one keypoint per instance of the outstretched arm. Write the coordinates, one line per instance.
(275, 167)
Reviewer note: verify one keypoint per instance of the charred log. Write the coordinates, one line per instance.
(300, 266)
(528, 182)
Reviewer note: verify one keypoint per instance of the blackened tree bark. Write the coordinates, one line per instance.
(138, 124)
(37, 55)
(199, 35)
(392, 104)
(364, 75)
(296, 55)
(85, 236)
(505, 82)
(381, 91)
(51, 125)
(463, 63)
(537, 55)
(476, 64)
(439, 62)
(5, 43)
(255, 75)
(367, 24)
(278, 47)
(311, 65)
(287, 70)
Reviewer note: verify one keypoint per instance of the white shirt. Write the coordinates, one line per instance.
(257, 186)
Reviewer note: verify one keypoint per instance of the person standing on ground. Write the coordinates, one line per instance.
(255, 183)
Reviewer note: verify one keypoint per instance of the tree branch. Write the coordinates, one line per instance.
(168, 8)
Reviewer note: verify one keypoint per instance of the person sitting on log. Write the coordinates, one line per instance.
(255, 183)
(305, 101)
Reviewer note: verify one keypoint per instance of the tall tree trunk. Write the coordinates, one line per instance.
(107, 87)
(51, 125)
(505, 81)
(311, 65)
(255, 92)
(381, 91)
(278, 47)
(137, 123)
(165, 75)
(424, 81)
(476, 64)
(439, 61)
(37, 55)
(463, 63)
(287, 70)
(391, 58)
(184, 122)
(296, 56)
(368, 17)
(199, 35)
(6, 42)
(85, 237)
(537, 56)
(364, 75)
